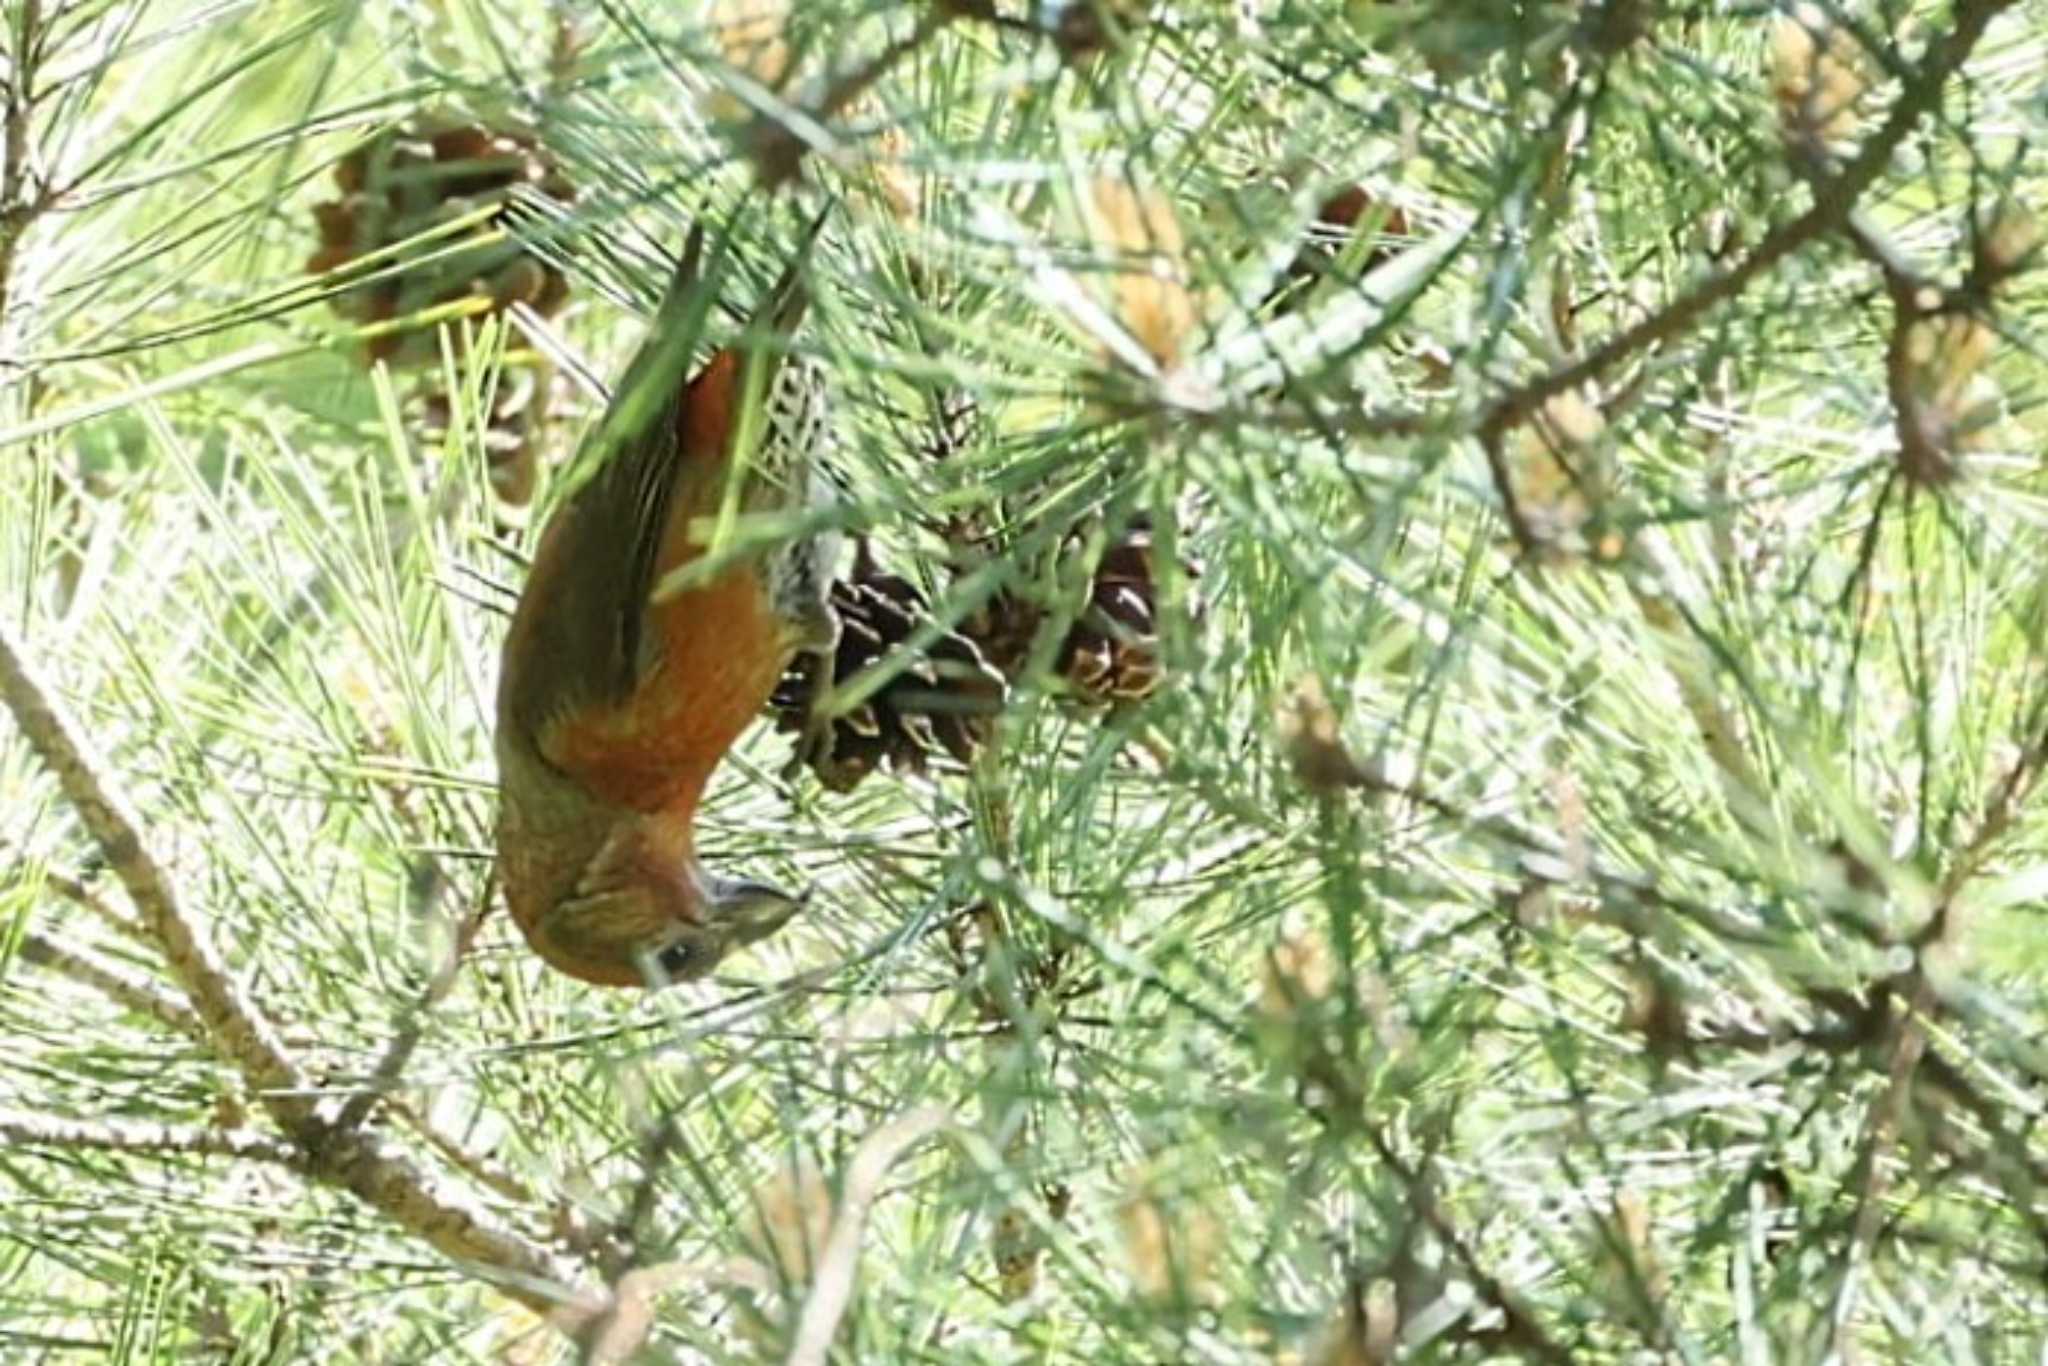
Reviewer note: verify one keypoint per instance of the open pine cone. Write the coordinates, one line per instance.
(510, 432)
(944, 700)
(1111, 652)
(411, 176)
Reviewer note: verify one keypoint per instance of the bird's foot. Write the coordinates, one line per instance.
(814, 744)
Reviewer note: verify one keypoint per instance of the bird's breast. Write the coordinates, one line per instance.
(719, 651)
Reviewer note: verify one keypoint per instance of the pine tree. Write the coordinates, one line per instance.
(1438, 753)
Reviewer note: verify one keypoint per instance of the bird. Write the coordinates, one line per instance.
(633, 662)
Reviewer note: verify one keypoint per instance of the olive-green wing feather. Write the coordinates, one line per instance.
(578, 627)
(583, 618)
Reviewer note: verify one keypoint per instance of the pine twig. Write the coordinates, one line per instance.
(1522, 1330)
(117, 984)
(398, 1052)
(85, 898)
(777, 140)
(832, 1288)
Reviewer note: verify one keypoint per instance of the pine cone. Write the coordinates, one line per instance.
(519, 408)
(1335, 220)
(955, 422)
(943, 701)
(1004, 629)
(404, 180)
(1111, 652)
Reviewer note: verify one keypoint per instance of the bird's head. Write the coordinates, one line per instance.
(638, 934)
(619, 898)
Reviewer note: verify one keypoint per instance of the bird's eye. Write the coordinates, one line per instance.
(675, 960)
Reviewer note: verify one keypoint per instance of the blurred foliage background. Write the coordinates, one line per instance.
(1510, 537)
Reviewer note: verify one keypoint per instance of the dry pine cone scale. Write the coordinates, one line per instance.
(942, 700)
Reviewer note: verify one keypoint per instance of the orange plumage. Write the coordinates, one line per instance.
(614, 708)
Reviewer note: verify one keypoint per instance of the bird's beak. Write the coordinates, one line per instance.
(750, 911)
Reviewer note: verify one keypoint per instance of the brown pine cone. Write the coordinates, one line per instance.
(1111, 652)
(945, 700)
(401, 182)
(1005, 628)
(510, 435)
(954, 422)
(1336, 218)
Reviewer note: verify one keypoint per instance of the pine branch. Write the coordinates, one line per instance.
(1834, 200)
(371, 1169)
(231, 1020)
(117, 984)
(134, 1137)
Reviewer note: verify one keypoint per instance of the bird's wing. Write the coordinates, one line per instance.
(575, 644)
(584, 617)
(675, 444)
